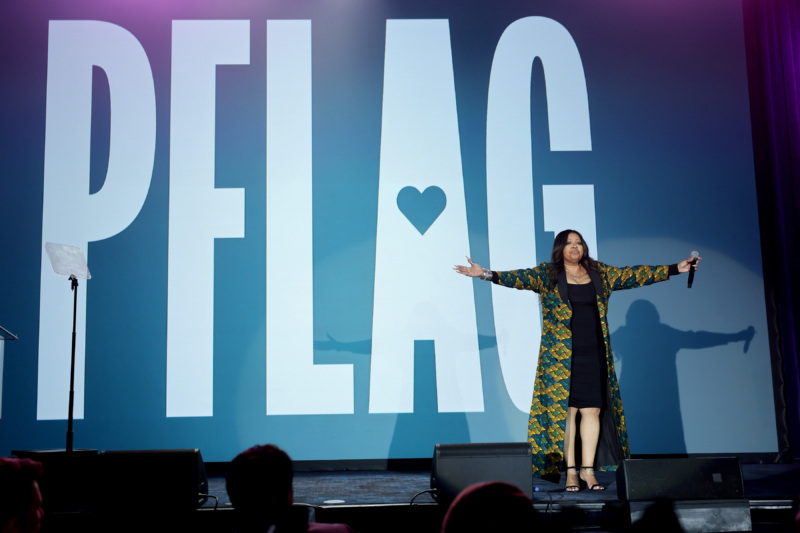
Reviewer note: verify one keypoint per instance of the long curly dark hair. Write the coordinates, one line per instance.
(557, 255)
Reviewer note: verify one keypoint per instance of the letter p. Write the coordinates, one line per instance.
(70, 215)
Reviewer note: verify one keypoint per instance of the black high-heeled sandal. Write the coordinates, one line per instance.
(596, 486)
(573, 488)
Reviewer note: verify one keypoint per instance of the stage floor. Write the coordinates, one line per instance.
(379, 501)
(764, 485)
(363, 498)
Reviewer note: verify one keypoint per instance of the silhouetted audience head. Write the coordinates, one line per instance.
(259, 484)
(797, 514)
(20, 499)
(490, 506)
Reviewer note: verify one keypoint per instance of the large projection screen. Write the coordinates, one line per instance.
(271, 196)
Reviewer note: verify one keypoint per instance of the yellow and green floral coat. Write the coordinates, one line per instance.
(548, 415)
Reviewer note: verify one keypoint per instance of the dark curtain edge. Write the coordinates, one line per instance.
(770, 28)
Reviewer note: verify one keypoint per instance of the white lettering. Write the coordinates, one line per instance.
(295, 385)
(422, 226)
(198, 212)
(69, 214)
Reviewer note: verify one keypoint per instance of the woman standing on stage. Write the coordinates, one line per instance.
(575, 377)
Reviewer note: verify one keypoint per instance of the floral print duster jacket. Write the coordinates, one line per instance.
(551, 388)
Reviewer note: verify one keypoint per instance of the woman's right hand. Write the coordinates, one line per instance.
(474, 270)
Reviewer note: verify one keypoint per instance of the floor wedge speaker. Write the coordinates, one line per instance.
(694, 478)
(457, 466)
(704, 494)
(70, 479)
(168, 479)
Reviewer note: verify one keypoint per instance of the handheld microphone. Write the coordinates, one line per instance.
(695, 254)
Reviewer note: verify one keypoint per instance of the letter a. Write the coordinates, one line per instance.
(422, 228)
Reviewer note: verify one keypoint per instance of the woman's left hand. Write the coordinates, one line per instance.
(684, 265)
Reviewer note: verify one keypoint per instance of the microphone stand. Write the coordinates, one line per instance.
(70, 417)
(72, 474)
(66, 261)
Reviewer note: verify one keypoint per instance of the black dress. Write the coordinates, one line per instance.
(587, 388)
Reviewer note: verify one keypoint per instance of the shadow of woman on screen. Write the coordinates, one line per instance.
(415, 433)
(646, 350)
(426, 426)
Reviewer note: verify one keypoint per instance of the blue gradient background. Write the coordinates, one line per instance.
(671, 166)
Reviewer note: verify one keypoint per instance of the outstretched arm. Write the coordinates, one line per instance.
(474, 270)
(531, 279)
(640, 276)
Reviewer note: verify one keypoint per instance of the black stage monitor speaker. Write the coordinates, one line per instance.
(457, 466)
(70, 479)
(706, 494)
(696, 478)
(163, 479)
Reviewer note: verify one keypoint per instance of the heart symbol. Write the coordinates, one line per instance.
(421, 208)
